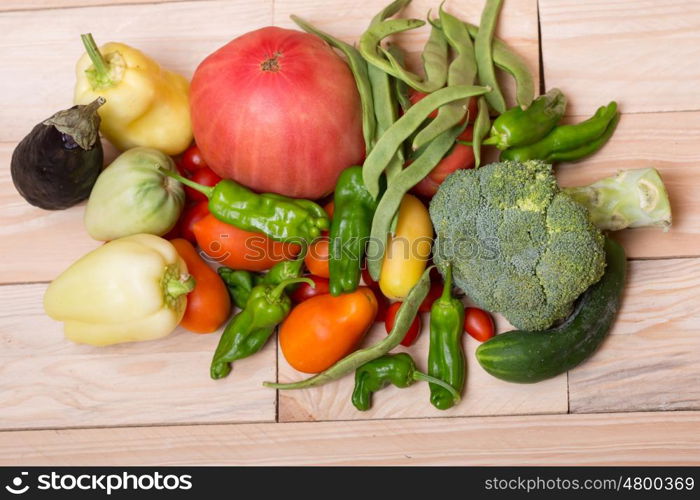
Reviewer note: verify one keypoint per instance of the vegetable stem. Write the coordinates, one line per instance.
(101, 67)
(207, 191)
(180, 286)
(276, 292)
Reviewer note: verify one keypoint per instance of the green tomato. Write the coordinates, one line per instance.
(132, 196)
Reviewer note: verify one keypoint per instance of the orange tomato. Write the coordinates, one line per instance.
(460, 157)
(208, 305)
(239, 249)
(316, 258)
(323, 329)
(329, 208)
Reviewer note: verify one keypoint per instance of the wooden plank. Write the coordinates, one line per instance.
(616, 439)
(49, 382)
(517, 25)
(636, 52)
(484, 395)
(39, 63)
(10, 5)
(668, 142)
(650, 360)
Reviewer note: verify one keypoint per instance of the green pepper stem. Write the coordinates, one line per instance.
(276, 292)
(490, 141)
(447, 287)
(180, 286)
(97, 60)
(434, 380)
(207, 191)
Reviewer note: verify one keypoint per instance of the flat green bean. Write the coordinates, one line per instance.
(404, 317)
(393, 8)
(434, 57)
(483, 51)
(358, 67)
(462, 71)
(510, 62)
(482, 125)
(370, 41)
(391, 199)
(385, 148)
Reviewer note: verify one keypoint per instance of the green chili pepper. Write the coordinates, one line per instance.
(249, 330)
(462, 71)
(279, 217)
(358, 67)
(398, 369)
(352, 219)
(282, 271)
(391, 200)
(391, 140)
(481, 128)
(404, 317)
(569, 141)
(510, 62)
(581, 152)
(239, 283)
(517, 127)
(484, 56)
(446, 359)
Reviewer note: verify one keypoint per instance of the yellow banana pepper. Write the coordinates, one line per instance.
(130, 289)
(407, 250)
(146, 105)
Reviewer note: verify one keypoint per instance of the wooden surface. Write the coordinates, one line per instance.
(66, 404)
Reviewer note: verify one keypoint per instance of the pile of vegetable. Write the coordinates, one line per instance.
(324, 180)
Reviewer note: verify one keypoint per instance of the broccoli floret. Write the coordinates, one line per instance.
(517, 243)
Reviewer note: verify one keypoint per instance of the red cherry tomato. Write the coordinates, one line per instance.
(433, 294)
(189, 218)
(382, 306)
(413, 330)
(461, 156)
(192, 159)
(305, 291)
(478, 323)
(204, 176)
(369, 281)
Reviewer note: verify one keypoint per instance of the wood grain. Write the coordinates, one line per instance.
(616, 439)
(641, 53)
(10, 5)
(668, 142)
(517, 25)
(484, 395)
(651, 360)
(39, 63)
(49, 382)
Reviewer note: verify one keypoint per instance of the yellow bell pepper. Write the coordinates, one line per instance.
(407, 250)
(130, 289)
(146, 105)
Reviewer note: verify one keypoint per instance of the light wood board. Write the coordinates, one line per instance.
(639, 53)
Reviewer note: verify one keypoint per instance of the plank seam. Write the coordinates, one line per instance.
(117, 4)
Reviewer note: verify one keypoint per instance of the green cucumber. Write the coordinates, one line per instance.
(530, 356)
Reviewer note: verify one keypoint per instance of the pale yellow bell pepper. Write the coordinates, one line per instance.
(130, 289)
(146, 105)
(407, 250)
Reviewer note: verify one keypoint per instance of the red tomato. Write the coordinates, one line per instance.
(316, 259)
(415, 96)
(204, 176)
(277, 111)
(413, 330)
(192, 159)
(478, 323)
(189, 218)
(369, 281)
(382, 306)
(305, 291)
(461, 156)
(329, 208)
(433, 294)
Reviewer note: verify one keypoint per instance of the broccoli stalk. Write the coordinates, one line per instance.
(632, 198)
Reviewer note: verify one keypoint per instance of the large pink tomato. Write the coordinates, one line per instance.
(277, 110)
